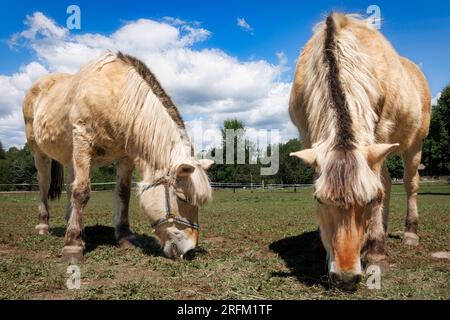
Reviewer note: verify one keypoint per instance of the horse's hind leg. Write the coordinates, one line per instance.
(123, 233)
(411, 161)
(43, 166)
(70, 178)
(81, 190)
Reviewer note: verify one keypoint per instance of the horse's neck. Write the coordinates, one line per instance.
(150, 132)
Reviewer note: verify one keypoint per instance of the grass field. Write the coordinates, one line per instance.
(252, 245)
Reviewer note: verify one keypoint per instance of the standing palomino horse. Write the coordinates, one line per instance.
(356, 101)
(114, 110)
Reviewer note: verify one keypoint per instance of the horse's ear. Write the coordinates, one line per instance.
(307, 155)
(206, 163)
(184, 169)
(376, 153)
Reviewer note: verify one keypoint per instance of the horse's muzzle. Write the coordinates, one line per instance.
(189, 255)
(347, 281)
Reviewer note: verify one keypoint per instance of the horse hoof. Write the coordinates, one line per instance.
(128, 242)
(379, 260)
(42, 229)
(411, 239)
(72, 254)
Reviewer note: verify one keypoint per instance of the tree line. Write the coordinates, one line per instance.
(17, 165)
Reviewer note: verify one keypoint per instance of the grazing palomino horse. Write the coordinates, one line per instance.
(114, 110)
(356, 101)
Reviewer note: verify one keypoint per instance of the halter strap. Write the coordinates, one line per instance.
(170, 217)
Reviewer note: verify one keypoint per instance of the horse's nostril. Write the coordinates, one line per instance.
(345, 281)
(335, 279)
(189, 255)
(174, 250)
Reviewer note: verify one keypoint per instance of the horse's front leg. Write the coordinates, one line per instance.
(123, 233)
(411, 162)
(74, 245)
(374, 251)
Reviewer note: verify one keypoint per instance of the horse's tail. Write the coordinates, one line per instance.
(351, 82)
(57, 180)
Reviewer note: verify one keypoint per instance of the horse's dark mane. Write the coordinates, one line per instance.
(154, 84)
(345, 137)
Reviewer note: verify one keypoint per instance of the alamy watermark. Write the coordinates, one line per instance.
(373, 277)
(74, 277)
(375, 16)
(239, 147)
(74, 20)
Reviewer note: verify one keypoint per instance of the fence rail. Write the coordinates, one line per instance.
(104, 186)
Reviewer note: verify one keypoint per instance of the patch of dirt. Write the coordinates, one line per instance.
(10, 251)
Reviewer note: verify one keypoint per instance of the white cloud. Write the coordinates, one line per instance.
(434, 101)
(244, 25)
(208, 85)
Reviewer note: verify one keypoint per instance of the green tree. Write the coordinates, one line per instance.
(231, 172)
(103, 174)
(292, 170)
(395, 167)
(2, 152)
(436, 146)
(22, 167)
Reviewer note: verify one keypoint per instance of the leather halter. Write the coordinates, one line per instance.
(171, 216)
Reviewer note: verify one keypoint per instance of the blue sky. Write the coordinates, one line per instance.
(418, 30)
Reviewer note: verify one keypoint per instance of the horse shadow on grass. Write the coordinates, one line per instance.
(434, 193)
(305, 257)
(98, 235)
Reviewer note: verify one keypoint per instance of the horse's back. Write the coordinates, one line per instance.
(44, 114)
(403, 87)
(401, 100)
(58, 103)
(421, 85)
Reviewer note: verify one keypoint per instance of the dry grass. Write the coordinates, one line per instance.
(253, 245)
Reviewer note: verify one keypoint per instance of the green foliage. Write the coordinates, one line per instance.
(233, 172)
(6, 176)
(395, 167)
(5, 169)
(291, 170)
(103, 174)
(17, 167)
(436, 146)
(2, 152)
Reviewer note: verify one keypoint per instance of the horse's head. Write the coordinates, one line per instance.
(348, 189)
(171, 202)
